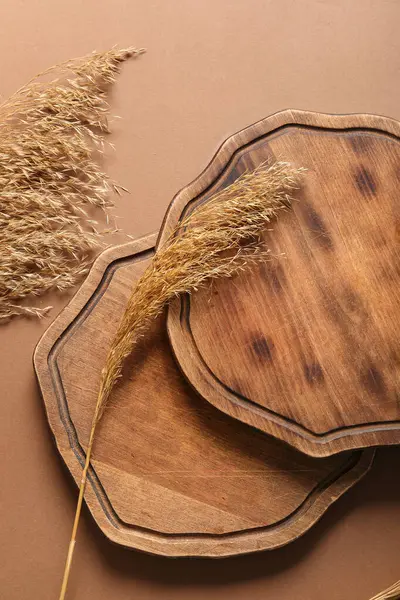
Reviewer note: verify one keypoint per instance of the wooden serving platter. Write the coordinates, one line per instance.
(171, 474)
(306, 346)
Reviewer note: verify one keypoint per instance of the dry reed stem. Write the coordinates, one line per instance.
(51, 133)
(392, 593)
(208, 244)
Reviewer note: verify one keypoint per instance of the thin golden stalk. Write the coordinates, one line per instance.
(392, 593)
(50, 135)
(208, 244)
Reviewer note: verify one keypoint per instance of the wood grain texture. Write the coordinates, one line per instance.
(171, 474)
(305, 347)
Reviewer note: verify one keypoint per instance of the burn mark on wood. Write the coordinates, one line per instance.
(351, 300)
(315, 222)
(354, 306)
(263, 347)
(359, 142)
(373, 380)
(313, 372)
(275, 277)
(365, 181)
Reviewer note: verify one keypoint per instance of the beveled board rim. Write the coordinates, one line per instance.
(182, 342)
(206, 545)
(224, 154)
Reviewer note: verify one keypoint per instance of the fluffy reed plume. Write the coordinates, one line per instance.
(392, 593)
(208, 244)
(50, 135)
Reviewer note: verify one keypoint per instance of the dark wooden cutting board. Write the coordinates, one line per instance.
(306, 346)
(171, 474)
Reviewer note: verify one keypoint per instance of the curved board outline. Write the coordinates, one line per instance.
(182, 341)
(73, 454)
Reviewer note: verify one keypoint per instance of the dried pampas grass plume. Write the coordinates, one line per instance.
(218, 239)
(212, 242)
(50, 134)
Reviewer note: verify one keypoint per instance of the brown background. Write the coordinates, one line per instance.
(212, 68)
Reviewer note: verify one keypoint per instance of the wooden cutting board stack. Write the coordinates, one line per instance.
(255, 403)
